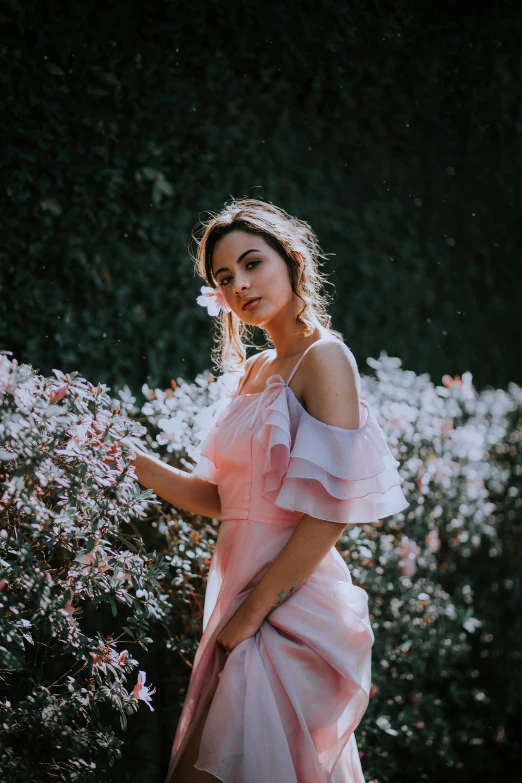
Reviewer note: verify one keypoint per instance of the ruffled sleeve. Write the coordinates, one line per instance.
(340, 475)
(206, 467)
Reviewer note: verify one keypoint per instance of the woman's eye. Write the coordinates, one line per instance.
(254, 261)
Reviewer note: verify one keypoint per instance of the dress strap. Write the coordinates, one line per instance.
(303, 356)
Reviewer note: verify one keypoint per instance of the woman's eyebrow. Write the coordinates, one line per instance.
(241, 257)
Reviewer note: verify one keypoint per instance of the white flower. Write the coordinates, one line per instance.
(7, 375)
(143, 692)
(48, 715)
(383, 722)
(173, 430)
(471, 624)
(213, 300)
(78, 434)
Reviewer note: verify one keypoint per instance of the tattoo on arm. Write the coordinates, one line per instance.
(282, 595)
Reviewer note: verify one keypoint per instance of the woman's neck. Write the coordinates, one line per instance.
(291, 345)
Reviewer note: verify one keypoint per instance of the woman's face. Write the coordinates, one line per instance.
(245, 266)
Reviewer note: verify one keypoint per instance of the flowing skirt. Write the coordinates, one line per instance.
(286, 702)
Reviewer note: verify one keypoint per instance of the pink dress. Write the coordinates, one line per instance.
(288, 700)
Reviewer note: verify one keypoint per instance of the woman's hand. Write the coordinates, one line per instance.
(242, 625)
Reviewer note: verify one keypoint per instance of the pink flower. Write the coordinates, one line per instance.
(94, 559)
(142, 691)
(123, 656)
(58, 394)
(3, 583)
(409, 552)
(69, 610)
(433, 540)
(420, 724)
(213, 300)
(373, 691)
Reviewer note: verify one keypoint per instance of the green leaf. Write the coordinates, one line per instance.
(55, 69)
(9, 660)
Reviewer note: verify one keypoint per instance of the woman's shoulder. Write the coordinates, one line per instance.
(330, 384)
(330, 357)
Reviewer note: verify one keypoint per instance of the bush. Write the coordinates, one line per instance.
(66, 544)
(440, 577)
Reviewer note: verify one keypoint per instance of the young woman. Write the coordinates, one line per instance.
(281, 677)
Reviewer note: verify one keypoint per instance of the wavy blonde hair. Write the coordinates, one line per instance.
(287, 235)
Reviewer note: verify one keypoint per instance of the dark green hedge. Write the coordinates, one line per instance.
(394, 128)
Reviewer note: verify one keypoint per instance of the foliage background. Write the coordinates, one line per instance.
(393, 128)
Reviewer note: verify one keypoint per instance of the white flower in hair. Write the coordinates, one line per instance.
(213, 300)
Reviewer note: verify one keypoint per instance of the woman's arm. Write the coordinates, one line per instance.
(178, 487)
(303, 553)
(310, 543)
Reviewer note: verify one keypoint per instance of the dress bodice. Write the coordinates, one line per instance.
(273, 462)
(241, 456)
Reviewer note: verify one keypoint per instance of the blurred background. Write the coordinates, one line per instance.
(393, 128)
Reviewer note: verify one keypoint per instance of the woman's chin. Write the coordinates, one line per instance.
(254, 314)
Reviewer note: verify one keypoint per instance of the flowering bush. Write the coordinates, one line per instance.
(444, 656)
(430, 574)
(81, 535)
(70, 565)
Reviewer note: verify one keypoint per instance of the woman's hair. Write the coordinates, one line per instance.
(286, 235)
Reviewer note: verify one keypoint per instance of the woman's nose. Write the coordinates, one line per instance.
(239, 286)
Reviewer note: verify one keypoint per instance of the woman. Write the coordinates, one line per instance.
(281, 677)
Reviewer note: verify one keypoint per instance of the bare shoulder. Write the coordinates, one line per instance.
(331, 357)
(331, 384)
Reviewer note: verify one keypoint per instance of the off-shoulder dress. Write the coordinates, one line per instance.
(285, 705)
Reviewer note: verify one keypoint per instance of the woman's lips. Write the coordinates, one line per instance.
(253, 303)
